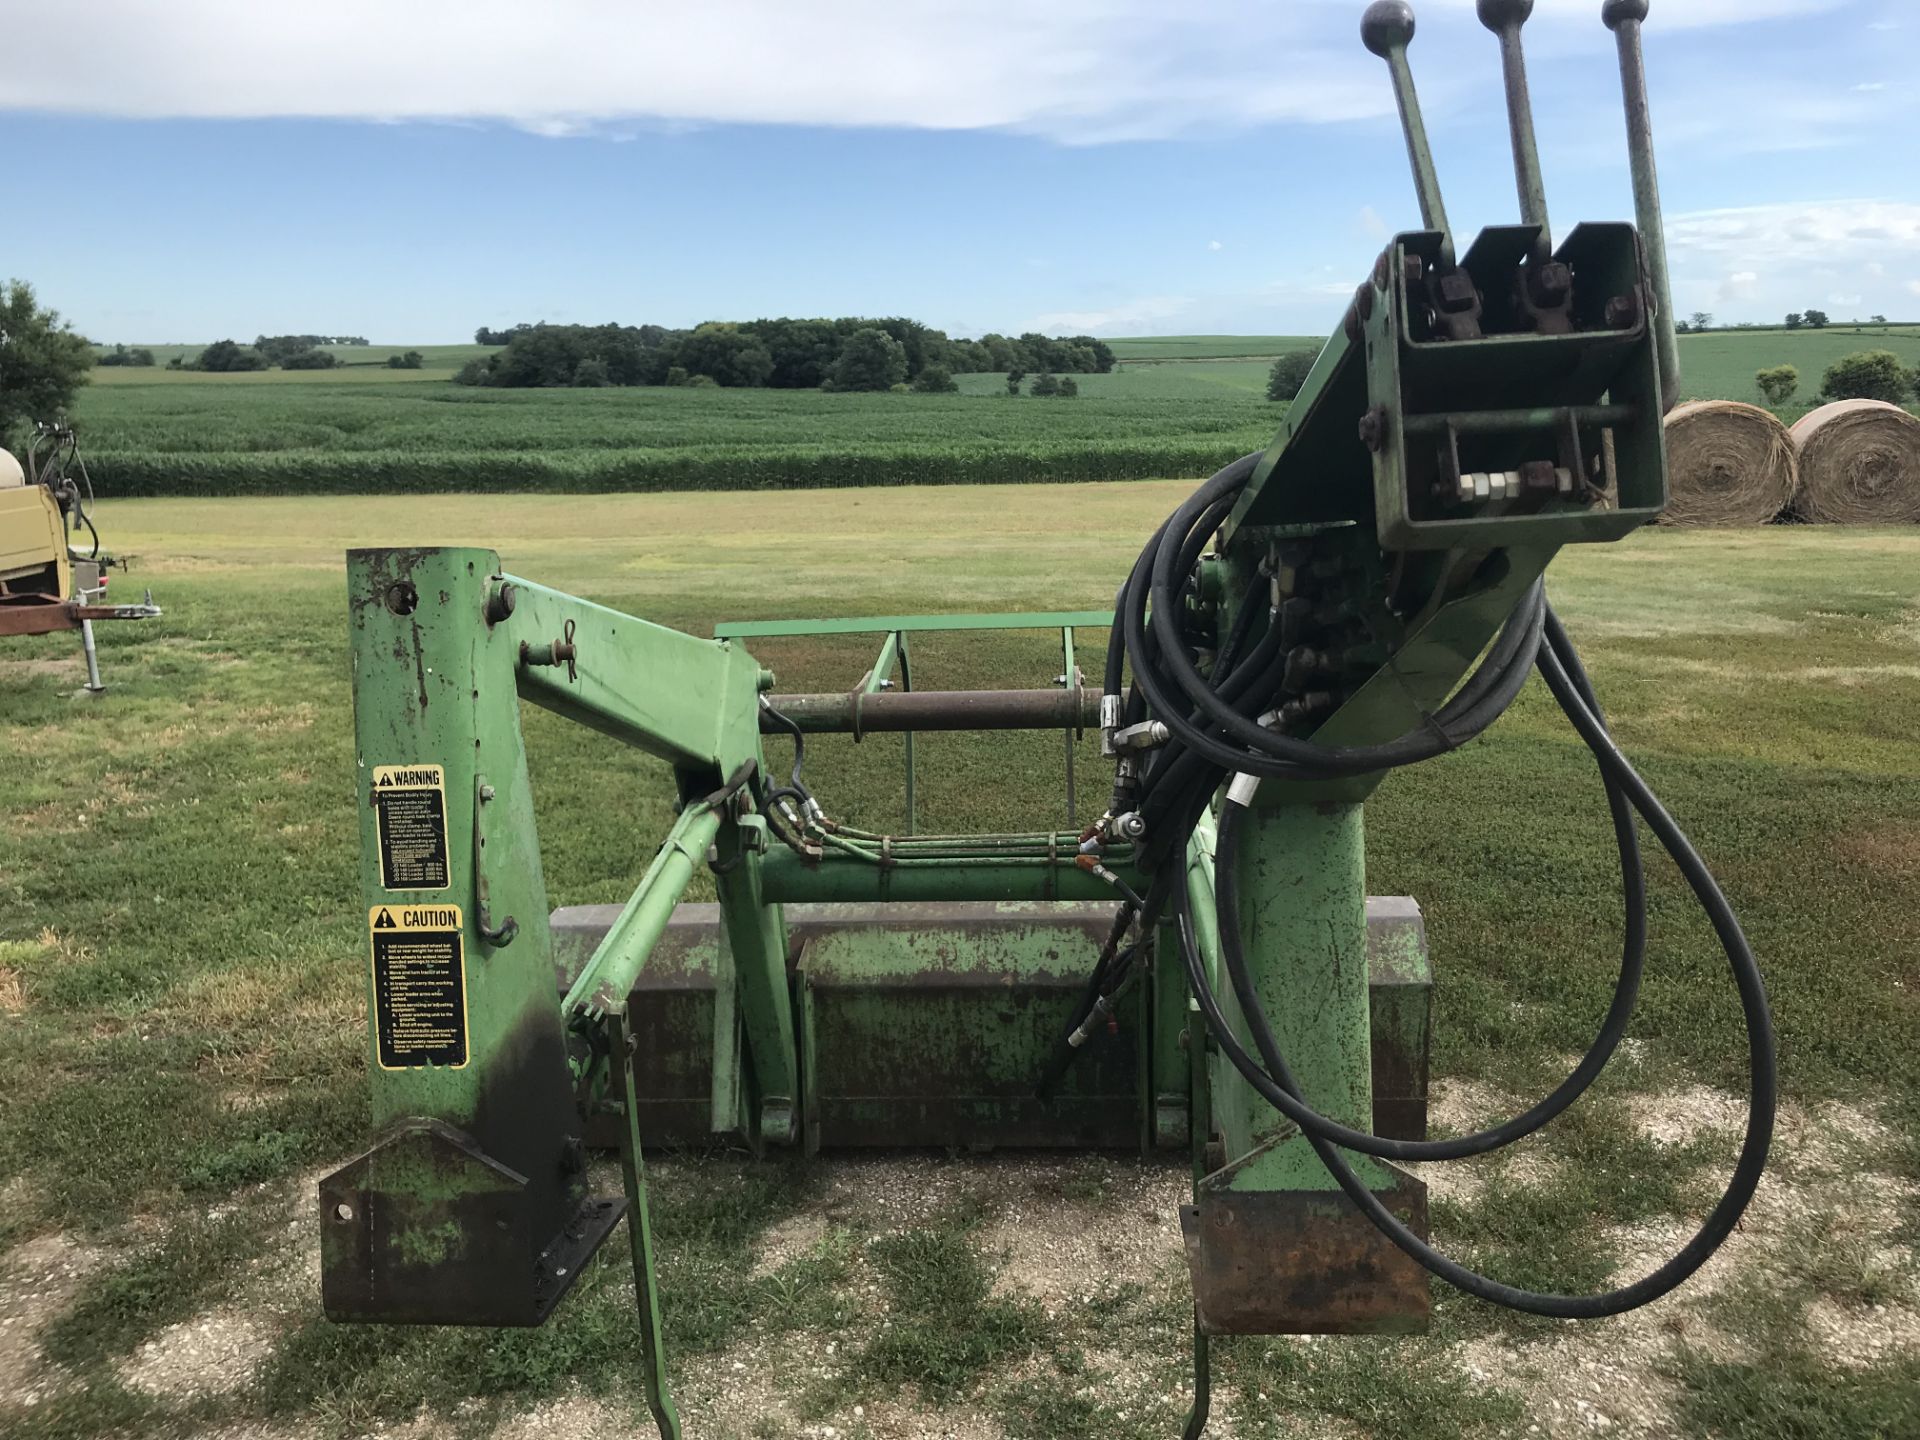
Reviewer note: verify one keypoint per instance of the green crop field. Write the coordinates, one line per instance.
(1178, 405)
(182, 1041)
(1141, 348)
(359, 361)
(1720, 364)
(268, 432)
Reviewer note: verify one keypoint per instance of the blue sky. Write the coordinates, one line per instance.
(409, 169)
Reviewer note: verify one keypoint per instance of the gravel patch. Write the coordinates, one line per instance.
(38, 1281)
(212, 1354)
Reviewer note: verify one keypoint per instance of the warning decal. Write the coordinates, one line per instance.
(410, 811)
(419, 985)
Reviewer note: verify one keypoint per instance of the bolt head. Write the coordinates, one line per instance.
(1615, 13)
(1387, 25)
(1497, 15)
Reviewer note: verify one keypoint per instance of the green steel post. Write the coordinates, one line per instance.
(877, 679)
(646, 1289)
(471, 1091)
(906, 683)
(1303, 916)
(757, 936)
(1069, 678)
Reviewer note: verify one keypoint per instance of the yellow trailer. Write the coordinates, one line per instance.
(47, 582)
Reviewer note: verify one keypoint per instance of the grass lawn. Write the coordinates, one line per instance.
(182, 1042)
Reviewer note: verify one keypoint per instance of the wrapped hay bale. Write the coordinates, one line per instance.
(1727, 464)
(1859, 464)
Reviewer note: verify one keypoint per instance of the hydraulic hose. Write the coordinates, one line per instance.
(1762, 1079)
(1214, 732)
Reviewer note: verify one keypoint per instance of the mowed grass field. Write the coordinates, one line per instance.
(182, 1041)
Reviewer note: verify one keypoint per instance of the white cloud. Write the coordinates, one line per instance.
(1767, 258)
(1867, 87)
(1076, 70)
(1371, 225)
(1215, 245)
(1913, 287)
(1130, 317)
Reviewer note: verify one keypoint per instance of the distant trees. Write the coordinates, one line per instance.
(314, 359)
(121, 355)
(1289, 373)
(871, 359)
(410, 360)
(1795, 320)
(1044, 385)
(1867, 375)
(935, 380)
(1014, 377)
(1814, 319)
(226, 356)
(1777, 384)
(277, 347)
(1701, 320)
(731, 356)
(43, 363)
(786, 353)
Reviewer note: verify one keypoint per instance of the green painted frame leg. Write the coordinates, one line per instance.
(1201, 1125)
(646, 1290)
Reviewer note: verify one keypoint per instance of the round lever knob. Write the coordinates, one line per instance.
(1497, 15)
(1616, 13)
(1387, 26)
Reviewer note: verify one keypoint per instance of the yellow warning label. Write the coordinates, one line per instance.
(410, 815)
(419, 985)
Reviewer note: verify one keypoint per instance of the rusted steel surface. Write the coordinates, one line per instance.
(1304, 1262)
(1400, 996)
(889, 710)
(37, 615)
(426, 1228)
(672, 1010)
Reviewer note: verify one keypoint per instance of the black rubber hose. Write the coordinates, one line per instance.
(1472, 708)
(1613, 1028)
(1762, 1078)
(799, 749)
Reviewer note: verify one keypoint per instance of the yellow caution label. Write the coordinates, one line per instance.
(419, 985)
(410, 817)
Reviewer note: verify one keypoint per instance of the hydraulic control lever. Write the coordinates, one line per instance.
(1623, 17)
(1387, 29)
(1544, 287)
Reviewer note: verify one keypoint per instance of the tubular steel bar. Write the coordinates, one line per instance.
(1386, 29)
(1623, 17)
(838, 877)
(1504, 18)
(895, 710)
(1499, 422)
(876, 624)
(608, 978)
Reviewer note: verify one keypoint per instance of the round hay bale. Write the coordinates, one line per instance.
(1727, 464)
(1859, 464)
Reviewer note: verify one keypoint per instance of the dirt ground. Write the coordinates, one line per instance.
(1065, 1230)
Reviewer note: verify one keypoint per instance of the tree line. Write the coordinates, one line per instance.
(1863, 375)
(848, 353)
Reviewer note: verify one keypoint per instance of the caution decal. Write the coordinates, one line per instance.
(410, 813)
(419, 985)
